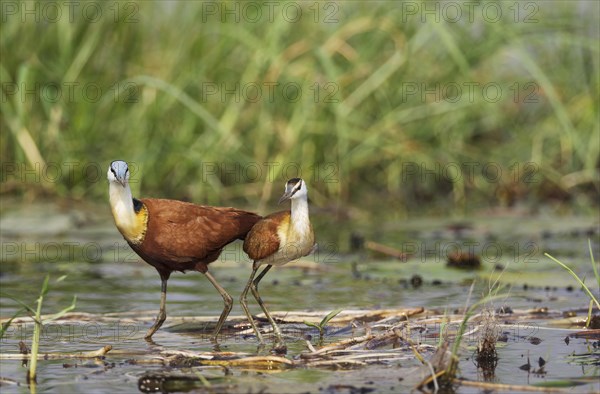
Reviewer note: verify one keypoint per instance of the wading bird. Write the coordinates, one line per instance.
(278, 239)
(174, 235)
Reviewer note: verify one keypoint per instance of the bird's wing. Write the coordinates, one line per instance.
(263, 240)
(188, 232)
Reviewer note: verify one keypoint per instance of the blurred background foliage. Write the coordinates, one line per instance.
(377, 103)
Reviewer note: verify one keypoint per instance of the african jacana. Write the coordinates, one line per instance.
(174, 235)
(278, 239)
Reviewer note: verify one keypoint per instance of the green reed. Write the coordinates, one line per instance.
(152, 85)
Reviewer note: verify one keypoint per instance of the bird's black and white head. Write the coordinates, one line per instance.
(118, 173)
(295, 188)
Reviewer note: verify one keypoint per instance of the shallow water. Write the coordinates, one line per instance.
(108, 278)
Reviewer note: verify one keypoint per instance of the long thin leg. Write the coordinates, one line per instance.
(228, 304)
(244, 304)
(162, 313)
(254, 289)
(260, 276)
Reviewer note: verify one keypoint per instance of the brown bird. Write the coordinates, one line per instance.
(276, 240)
(174, 235)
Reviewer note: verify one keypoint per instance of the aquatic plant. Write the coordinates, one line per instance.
(593, 299)
(36, 315)
(323, 324)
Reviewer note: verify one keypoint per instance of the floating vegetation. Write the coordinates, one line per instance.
(469, 261)
(357, 339)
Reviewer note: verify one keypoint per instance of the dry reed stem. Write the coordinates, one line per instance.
(509, 387)
(53, 356)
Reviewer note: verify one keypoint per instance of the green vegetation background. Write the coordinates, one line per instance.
(139, 75)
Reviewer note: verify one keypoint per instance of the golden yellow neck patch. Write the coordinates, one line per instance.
(134, 230)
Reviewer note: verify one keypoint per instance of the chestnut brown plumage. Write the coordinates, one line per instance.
(278, 239)
(174, 235)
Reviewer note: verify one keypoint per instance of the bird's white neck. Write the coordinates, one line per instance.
(121, 204)
(299, 216)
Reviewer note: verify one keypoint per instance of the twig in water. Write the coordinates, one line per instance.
(45, 356)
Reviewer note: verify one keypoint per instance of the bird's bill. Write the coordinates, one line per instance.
(286, 196)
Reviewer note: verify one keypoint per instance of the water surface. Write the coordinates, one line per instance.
(108, 278)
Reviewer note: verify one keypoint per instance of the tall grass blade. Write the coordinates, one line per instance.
(574, 275)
